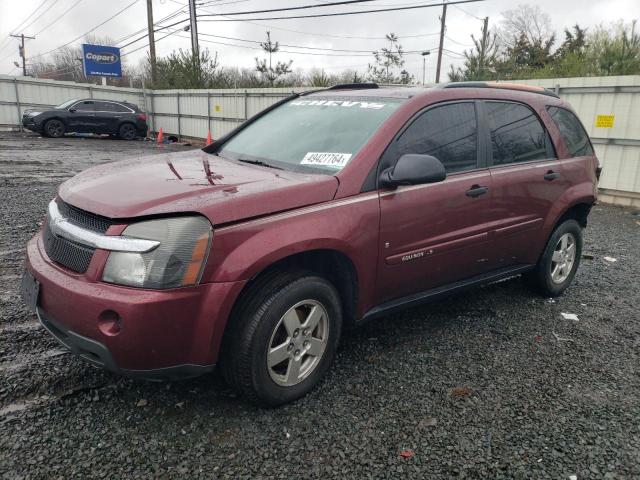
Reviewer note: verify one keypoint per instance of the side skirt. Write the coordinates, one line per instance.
(443, 291)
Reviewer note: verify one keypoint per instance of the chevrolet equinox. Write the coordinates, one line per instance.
(325, 210)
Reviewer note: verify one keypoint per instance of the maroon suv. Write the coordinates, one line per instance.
(325, 210)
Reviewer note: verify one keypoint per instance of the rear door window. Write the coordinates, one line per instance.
(103, 107)
(516, 134)
(117, 107)
(448, 132)
(572, 132)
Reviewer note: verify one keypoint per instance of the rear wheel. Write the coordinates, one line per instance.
(559, 262)
(54, 128)
(284, 338)
(127, 131)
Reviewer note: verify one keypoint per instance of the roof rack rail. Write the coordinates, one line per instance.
(504, 86)
(353, 86)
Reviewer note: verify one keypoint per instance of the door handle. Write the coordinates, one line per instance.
(551, 175)
(476, 191)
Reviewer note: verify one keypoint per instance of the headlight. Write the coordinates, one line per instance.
(177, 262)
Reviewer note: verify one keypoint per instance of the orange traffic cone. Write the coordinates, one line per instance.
(209, 139)
(160, 137)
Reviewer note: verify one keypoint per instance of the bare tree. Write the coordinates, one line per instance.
(525, 22)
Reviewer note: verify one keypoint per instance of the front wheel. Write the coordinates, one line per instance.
(283, 339)
(127, 131)
(54, 128)
(559, 261)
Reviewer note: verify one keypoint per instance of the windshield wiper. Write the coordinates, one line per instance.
(259, 162)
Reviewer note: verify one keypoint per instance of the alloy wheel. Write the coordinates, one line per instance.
(563, 258)
(127, 131)
(55, 128)
(297, 343)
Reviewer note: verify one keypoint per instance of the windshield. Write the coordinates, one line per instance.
(318, 134)
(67, 104)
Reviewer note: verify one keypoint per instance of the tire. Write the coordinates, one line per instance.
(53, 128)
(127, 131)
(550, 277)
(267, 319)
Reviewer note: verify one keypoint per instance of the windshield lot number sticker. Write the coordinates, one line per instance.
(338, 103)
(325, 159)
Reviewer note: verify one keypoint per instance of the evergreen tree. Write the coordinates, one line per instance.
(269, 72)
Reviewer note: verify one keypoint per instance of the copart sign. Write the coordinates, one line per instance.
(101, 60)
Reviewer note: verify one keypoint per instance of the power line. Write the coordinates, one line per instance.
(41, 14)
(88, 31)
(257, 42)
(458, 43)
(164, 27)
(29, 16)
(368, 54)
(328, 35)
(287, 45)
(58, 18)
(19, 26)
(365, 53)
(173, 14)
(461, 55)
(337, 14)
(287, 51)
(286, 9)
(146, 44)
(467, 13)
(216, 4)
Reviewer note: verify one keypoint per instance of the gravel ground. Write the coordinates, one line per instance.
(490, 384)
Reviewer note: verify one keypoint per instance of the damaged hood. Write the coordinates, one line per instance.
(194, 181)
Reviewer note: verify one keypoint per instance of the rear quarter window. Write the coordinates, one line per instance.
(572, 131)
(516, 134)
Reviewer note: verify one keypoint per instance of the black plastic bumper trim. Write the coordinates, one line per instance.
(99, 355)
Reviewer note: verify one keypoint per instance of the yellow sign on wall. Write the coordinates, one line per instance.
(604, 121)
(217, 108)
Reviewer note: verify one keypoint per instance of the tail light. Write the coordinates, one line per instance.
(142, 116)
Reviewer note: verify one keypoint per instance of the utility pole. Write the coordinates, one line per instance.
(443, 20)
(483, 45)
(152, 40)
(194, 29)
(22, 53)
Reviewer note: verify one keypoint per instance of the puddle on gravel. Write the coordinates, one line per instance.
(24, 361)
(20, 327)
(17, 407)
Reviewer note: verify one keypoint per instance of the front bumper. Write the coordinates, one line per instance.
(99, 355)
(163, 333)
(30, 124)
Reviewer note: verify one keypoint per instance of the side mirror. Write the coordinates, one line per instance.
(413, 169)
(72, 110)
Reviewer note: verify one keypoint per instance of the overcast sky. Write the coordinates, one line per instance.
(417, 28)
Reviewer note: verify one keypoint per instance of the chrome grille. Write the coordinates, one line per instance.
(84, 219)
(69, 254)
